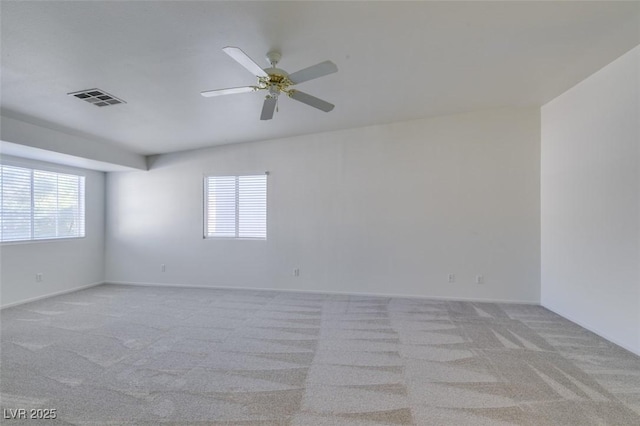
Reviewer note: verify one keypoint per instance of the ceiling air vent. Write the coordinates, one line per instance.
(97, 97)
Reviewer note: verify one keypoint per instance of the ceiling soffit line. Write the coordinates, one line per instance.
(20, 136)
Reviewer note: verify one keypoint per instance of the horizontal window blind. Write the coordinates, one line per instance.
(236, 206)
(38, 204)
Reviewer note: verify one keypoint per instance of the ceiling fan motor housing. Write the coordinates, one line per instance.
(277, 80)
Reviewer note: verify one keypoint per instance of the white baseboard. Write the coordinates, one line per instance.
(346, 293)
(593, 330)
(46, 296)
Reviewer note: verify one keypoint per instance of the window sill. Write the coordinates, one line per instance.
(43, 240)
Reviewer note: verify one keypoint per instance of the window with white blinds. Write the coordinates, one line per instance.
(40, 205)
(235, 206)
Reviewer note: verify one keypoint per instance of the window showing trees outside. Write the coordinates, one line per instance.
(39, 204)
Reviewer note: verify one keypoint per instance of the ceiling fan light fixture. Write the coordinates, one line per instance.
(276, 81)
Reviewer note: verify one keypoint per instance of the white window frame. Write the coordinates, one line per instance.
(46, 169)
(237, 227)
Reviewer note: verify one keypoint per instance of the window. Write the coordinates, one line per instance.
(235, 206)
(40, 205)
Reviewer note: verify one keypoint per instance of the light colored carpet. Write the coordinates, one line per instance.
(120, 354)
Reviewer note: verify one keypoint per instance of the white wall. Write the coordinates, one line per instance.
(65, 264)
(389, 209)
(590, 183)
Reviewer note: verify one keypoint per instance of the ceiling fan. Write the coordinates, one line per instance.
(277, 81)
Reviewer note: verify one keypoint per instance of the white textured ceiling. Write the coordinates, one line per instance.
(397, 61)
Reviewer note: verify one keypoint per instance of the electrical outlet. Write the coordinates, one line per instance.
(163, 268)
(479, 279)
(452, 278)
(296, 272)
(39, 277)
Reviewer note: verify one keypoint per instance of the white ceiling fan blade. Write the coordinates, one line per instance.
(268, 108)
(229, 91)
(305, 98)
(314, 71)
(243, 59)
